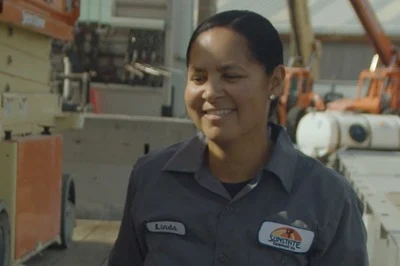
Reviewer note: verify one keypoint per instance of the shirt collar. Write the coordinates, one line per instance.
(189, 157)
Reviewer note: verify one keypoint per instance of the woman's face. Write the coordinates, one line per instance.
(228, 92)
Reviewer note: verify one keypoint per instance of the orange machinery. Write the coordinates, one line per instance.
(303, 68)
(53, 18)
(298, 95)
(378, 87)
(37, 201)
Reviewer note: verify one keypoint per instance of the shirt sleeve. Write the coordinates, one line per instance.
(345, 241)
(126, 250)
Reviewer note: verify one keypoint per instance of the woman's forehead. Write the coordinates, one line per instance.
(220, 46)
(222, 67)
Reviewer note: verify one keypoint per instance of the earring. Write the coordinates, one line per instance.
(272, 97)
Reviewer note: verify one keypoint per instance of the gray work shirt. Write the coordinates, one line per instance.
(295, 212)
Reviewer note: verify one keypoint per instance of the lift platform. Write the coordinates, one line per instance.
(53, 18)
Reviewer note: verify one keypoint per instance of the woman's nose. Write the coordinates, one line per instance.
(212, 91)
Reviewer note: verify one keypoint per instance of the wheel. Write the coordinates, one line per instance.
(274, 118)
(4, 239)
(291, 102)
(332, 96)
(68, 215)
(293, 117)
(389, 111)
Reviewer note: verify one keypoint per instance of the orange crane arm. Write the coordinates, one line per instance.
(54, 18)
(383, 45)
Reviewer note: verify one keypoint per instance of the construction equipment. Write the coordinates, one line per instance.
(379, 86)
(37, 200)
(360, 139)
(321, 134)
(302, 70)
(378, 93)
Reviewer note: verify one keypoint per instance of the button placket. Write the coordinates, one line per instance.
(223, 235)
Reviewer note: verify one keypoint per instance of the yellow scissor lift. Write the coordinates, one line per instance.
(36, 199)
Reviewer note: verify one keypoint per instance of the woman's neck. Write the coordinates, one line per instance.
(241, 160)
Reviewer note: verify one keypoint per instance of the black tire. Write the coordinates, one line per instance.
(274, 118)
(5, 238)
(389, 111)
(291, 102)
(293, 117)
(68, 217)
(332, 96)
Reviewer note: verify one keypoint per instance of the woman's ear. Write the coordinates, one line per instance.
(276, 80)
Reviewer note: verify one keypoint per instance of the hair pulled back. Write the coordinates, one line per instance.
(263, 39)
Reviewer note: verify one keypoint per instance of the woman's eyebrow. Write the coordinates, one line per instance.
(230, 66)
(198, 69)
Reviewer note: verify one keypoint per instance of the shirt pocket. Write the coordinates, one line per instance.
(264, 255)
(161, 249)
(167, 249)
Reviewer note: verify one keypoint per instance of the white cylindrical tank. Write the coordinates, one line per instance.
(321, 133)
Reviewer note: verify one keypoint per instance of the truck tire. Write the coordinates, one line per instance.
(4, 238)
(332, 96)
(274, 118)
(293, 117)
(68, 217)
(389, 111)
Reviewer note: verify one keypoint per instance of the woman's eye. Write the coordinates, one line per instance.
(198, 79)
(231, 76)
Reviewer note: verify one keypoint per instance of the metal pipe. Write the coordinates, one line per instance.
(67, 82)
(374, 30)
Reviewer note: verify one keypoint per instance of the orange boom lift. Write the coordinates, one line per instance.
(379, 86)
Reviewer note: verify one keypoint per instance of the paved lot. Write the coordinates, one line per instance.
(92, 243)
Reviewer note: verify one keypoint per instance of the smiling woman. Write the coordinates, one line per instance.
(227, 92)
(232, 78)
(238, 193)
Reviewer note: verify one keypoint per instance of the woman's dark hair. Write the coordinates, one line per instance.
(262, 37)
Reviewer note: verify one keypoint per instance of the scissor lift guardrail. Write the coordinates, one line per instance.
(375, 175)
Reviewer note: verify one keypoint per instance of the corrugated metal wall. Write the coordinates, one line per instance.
(96, 11)
(328, 16)
(340, 60)
(153, 9)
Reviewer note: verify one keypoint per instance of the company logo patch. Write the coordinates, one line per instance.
(166, 227)
(285, 237)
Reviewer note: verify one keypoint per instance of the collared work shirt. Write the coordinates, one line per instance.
(295, 212)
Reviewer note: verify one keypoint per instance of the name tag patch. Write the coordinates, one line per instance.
(166, 227)
(285, 237)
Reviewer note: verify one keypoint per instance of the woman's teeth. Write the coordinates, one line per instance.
(219, 112)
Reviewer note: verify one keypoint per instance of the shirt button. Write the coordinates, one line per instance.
(222, 258)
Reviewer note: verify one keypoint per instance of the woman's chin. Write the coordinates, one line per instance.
(218, 135)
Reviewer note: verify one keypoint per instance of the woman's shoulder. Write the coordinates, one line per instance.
(175, 157)
(159, 165)
(326, 182)
(157, 158)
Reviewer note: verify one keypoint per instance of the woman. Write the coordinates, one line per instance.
(239, 193)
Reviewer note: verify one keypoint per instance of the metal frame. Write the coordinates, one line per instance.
(379, 189)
